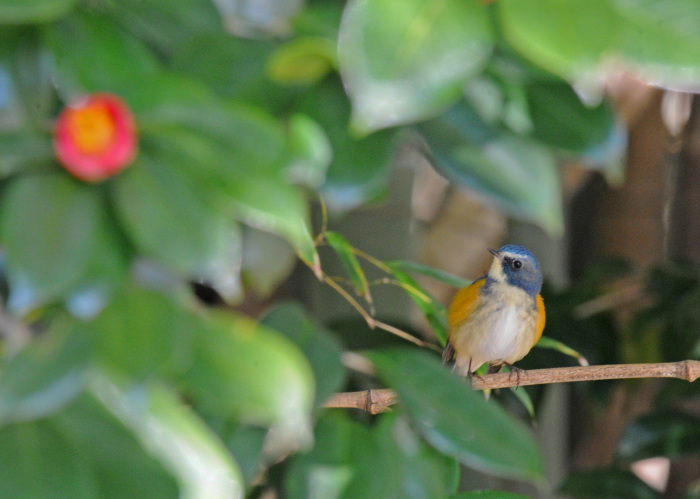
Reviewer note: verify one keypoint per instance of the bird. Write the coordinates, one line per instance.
(499, 317)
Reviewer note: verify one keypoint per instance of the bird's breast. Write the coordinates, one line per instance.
(501, 327)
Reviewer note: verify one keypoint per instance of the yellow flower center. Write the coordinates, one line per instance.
(92, 128)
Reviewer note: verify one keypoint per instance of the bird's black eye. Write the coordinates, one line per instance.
(517, 264)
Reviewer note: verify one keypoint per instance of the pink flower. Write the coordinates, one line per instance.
(95, 137)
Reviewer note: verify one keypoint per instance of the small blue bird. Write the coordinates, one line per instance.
(500, 316)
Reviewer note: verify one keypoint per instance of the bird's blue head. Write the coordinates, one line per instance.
(517, 266)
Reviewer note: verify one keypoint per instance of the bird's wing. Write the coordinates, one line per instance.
(448, 353)
(463, 304)
(540, 319)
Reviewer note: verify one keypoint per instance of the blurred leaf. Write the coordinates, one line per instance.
(359, 170)
(142, 332)
(433, 310)
(246, 371)
(388, 460)
(234, 67)
(33, 11)
(519, 176)
(120, 466)
(660, 40)
(321, 349)
(546, 342)
(558, 34)
(416, 470)
(311, 151)
(37, 461)
(43, 377)
(246, 443)
(457, 420)
(216, 139)
(274, 206)
(607, 484)
(432, 272)
(49, 226)
(267, 261)
(403, 62)
(488, 494)
(238, 154)
(319, 19)
(21, 151)
(670, 434)
(302, 61)
(167, 217)
(24, 57)
(175, 436)
(166, 25)
(325, 470)
(93, 54)
(561, 120)
(343, 250)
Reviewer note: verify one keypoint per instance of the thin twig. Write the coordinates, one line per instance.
(374, 323)
(376, 401)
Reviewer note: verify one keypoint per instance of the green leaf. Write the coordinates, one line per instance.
(142, 332)
(166, 25)
(432, 272)
(488, 494)
(404, 62)
(660, 40)
(304, 60)
(246, 371)
(547, 342)
(21, 151)
(126, 470)
(566, 37)
(668, 433)
(166, 216)
(607, 484)
(267, 261)
(519, 176)
(238, 154)
(93, 54)
(33, 11)
(49, 226)
(276, 207)
(359, 169)
(175, 436)
(343, 250)
(235, 68)
(310, 149)
(43, 377)
(433, 310)
(561, 120)
(30, 91)
(321, 349)
(455, 419)
(416, 468)
(37, 461)
(347, 455)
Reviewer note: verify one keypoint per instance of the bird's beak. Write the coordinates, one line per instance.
(495, 253)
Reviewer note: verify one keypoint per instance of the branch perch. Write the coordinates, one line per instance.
(376, 401)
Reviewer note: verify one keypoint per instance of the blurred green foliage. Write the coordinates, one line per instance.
(118, 383)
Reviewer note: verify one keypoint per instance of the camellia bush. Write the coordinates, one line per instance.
(149, 145)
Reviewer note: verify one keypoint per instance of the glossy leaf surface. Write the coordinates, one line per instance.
(456, 419)
(402, 62)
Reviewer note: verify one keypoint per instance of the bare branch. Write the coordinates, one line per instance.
(376, 401)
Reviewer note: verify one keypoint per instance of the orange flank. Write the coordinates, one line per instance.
(463, 304)
(540, 319)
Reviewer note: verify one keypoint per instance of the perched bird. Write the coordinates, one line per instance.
(500, 316)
